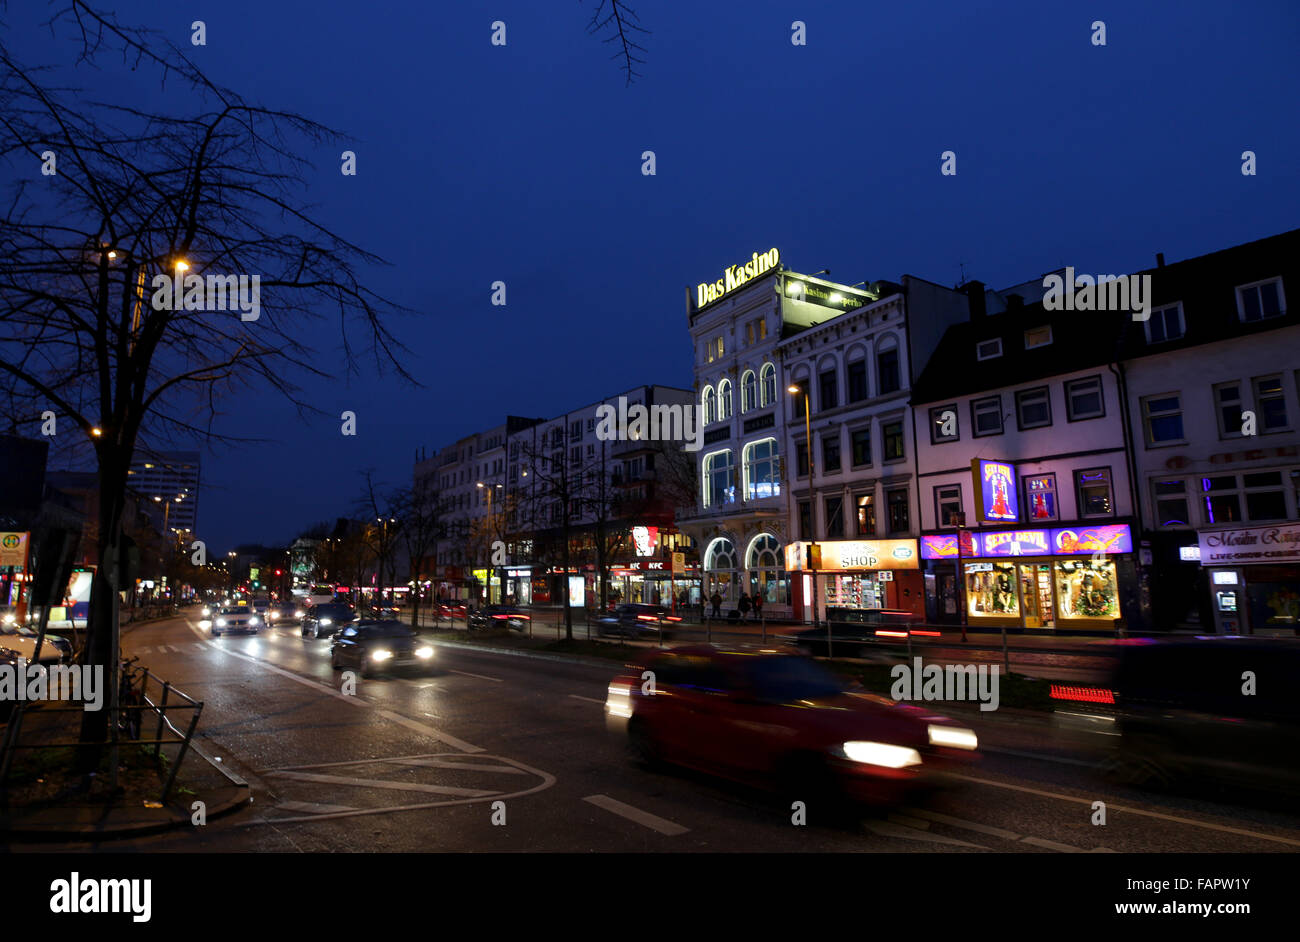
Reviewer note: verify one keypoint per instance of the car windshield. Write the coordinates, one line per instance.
(390, 630)
(234, 611)
(332, 611)
(791, 678)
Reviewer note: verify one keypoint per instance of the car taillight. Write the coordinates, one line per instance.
(1084, 694)
(673, 618)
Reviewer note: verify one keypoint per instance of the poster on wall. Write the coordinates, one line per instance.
(996, 487)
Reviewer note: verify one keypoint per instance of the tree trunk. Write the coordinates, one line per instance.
(102, 645)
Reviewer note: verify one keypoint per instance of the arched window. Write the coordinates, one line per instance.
(768, 383)
(724, 399)
(720, 571)
(748, 391)
(719, 479)
(767, 570)
(710, 405)
(762, 469)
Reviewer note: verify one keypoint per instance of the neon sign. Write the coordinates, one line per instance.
(995, 483)
(736, 276)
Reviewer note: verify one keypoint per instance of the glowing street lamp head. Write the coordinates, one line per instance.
(793, 390)
(96, 432)
(182, 265)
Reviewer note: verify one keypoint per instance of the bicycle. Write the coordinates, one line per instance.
(130, 699)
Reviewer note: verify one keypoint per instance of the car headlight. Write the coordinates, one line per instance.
(297, 614)
(253, 620)
(326, 622)
(206, 611)
(271, 616)
(882, 754)
(954, 737)
(221, 623)
(425, 651)
(381, 655)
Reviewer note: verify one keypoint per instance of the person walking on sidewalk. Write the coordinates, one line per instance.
(758, 605)
(716, 600)
(743, 605)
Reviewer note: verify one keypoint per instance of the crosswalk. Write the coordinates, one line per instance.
(170, 648)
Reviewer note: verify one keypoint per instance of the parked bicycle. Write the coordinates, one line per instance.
(130, 699)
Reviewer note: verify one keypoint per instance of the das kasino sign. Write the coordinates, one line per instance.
(760, 263)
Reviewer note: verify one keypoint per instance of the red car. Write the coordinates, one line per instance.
(783, 722)
(451, 610)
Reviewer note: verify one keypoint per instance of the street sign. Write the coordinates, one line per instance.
(13, 549)
(679, 564)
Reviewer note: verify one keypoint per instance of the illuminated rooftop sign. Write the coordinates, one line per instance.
(736, 276)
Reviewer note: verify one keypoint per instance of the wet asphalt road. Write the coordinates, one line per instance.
(417, 764)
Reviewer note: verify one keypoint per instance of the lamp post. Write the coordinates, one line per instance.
(794, 390)
(490, 489)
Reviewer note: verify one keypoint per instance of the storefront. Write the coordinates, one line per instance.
(1254, 578)
(653, 582)
(1062, 578)
(862, 574)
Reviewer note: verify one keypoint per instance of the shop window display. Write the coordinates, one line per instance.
(991, 589)
(1086, 588)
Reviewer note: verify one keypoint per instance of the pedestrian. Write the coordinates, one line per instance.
(716, 599)
(758, 606)
(744, 605)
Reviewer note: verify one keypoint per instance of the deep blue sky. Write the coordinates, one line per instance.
(478, 163)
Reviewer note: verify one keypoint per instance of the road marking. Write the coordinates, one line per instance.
(644, 818)
(142, 650)
(1063, 760)
(479, 676)
(588, 699)
(199, 645)
(319, 779)
(311, 807)
(907, 822)
(1222, 828)
(884, 829)
(319, 687)
(449, 764)
(1051, 845)
(967, 825)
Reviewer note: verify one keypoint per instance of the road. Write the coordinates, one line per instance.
(417, 764)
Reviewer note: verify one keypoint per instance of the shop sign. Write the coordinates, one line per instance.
(1017, 543)
(1189, 554)
(679, 563)
(736, 276)
(843, 555)
(796, 556)
(995, 482)
(646, 540)
(1250, 545)
(1179, 462)
(1110, 538)
(13, 549)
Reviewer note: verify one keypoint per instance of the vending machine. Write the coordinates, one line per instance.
(1227, 594)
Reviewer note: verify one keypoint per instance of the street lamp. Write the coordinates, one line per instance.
(794, 390)
(502, 580)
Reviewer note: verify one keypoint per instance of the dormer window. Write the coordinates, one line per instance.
(1038, 337)
(988, 349)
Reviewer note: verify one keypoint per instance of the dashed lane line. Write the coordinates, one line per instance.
(479, 676)
(643, 818)
(574, 696)
(318, 778)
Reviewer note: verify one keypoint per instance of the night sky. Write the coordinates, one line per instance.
(522, 164)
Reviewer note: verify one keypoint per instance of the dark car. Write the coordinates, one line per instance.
(783, 722)
(1224, 708)
(379, 646)
(284, 613)
(636, 620)
(491, 616)
(22, 640)
(851, 631)
(326, 618)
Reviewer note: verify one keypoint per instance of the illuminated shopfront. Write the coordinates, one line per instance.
(1068, 577)
(859, 574)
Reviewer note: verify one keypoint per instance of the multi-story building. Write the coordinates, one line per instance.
(169, 480)
(1213, 395)
(769, 347)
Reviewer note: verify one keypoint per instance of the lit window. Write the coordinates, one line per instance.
(1038, 337)
(1095, 496)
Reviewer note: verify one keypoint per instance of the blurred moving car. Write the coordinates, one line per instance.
(284, 613)
(372, 647)
(636, 620)
(853, 630)
(496, 615)
(237, 617)
(452, 610)
(1223, 708)
(21, 639)
(327, 618)
(783, 722)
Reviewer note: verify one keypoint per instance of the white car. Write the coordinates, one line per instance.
(235, 618)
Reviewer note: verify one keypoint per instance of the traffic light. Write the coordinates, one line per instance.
(277, 572)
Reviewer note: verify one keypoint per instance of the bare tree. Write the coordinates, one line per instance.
(620, 20)
(418, 508)
(107, 204)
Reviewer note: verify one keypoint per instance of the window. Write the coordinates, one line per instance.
(767, 384)
(1095, 498)
(1165, 323)
(714, 349)
(748, 391)
(575, 454)
(1261, 492)
(896, 502)
(719, 479)
(830, 451)
(1040, 497)
(1261, 300)
(891, 436)
(1038, 337)
(988, 349)
(1083, 399)
(827, 395)
(724, 400)
(1163, 419)
(887, 371)
(866, 509)
(710, 402)
(1270, 403)
(860, 440)
(947, 504)
(805, 521)
(575, 429)
(986, 416)
(943, 424)
(1171, 502)
(800, 398)
(857, 380)
(1227, 403)
(801, 459)
(1033, 408)
(835, 518)
(762, 470)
